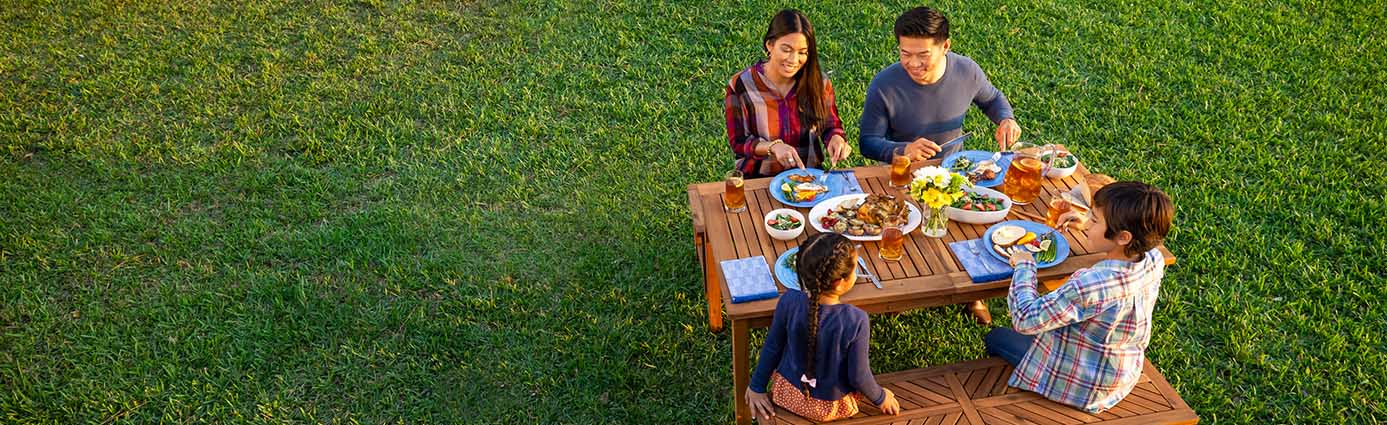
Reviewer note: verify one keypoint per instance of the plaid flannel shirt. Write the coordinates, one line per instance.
(756, 112)
(1091, 333)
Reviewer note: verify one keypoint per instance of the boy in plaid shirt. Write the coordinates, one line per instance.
(1083, 344)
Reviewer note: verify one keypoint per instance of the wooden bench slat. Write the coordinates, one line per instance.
(975, 392)
(1031, 410)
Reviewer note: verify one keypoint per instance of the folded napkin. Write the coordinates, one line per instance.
(748, 279)
(982, 267)
(850, 185)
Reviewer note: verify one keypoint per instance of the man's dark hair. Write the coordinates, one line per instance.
(1136, 207)
(922, 22)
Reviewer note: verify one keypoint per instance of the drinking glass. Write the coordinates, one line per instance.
(892, 239)
(734, 198)
(900, 168)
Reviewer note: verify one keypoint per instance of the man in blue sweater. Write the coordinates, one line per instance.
(919, 102)
(914, 105)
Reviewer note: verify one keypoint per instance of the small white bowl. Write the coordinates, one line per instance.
(784, 235)
(1059, 173)
(981, 217)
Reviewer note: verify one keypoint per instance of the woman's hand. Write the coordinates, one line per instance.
(786, 155)
(889, 405)
(838, 149)
(761, 407)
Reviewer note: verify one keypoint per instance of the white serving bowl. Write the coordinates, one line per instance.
(981, 217)
(1059, 173)
(784, 235)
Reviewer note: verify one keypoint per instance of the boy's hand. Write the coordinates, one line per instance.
(1074, 219)
(889, 405)
(761, 407)
(1020, 254)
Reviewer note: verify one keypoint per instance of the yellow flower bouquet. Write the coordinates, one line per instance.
(936, 188)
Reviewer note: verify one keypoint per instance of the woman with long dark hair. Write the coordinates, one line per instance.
(780, 111)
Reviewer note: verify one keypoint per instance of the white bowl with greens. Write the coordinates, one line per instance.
(784, 224)
(1062, 164)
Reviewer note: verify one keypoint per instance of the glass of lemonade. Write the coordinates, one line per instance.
(734, 198)
(900, 168)
(892, 239)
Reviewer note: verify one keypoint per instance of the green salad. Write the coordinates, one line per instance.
(1065, 160)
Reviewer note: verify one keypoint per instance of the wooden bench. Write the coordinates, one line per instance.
(976, 392)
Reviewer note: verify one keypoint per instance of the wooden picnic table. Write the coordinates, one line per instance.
(927, 276)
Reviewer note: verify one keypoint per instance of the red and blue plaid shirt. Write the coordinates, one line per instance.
(756, 111)
(1091, 333)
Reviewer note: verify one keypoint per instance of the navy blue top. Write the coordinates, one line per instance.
(841, 360)
(898, 110)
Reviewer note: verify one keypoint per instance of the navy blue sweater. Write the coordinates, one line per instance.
(841, 359)
(898, 110)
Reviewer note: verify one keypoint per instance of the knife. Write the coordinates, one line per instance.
(869, 274)
(952, 146)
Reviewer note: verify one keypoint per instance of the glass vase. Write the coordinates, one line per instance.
(935, 223)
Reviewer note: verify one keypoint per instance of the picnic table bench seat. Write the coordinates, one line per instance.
(976, 392)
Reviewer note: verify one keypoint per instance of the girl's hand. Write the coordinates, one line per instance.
(1020, 254)
(890, 406)
(838, 149)
(761, 407)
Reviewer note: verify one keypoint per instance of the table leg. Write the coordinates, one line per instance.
(711, 291)
(741, 370)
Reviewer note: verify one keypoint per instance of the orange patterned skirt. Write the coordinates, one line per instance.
(785, 395)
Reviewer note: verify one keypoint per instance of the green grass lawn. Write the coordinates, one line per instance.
(449, 212)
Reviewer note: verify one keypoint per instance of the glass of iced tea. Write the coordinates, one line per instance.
(900, 168)
(734, 198)
(1058, 206)
(1024, 176)
(892, 239)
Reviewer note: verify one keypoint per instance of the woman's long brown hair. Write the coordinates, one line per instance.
(809, 82)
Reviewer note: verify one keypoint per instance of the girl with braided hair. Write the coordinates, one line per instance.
(818, 342)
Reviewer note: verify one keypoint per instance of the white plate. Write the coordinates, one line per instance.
(824, 206)
(981, 217)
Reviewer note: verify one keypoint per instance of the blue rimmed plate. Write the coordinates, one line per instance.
(1061, 244)
(835, 187)
(783, 273)
(978, 156)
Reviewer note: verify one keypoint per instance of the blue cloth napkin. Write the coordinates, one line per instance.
(982, 267)
(748, 279)
(850, 185)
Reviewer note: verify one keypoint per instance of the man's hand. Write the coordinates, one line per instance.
(1008, 132)
(921, 149)
(838, 149)
(761, 407)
